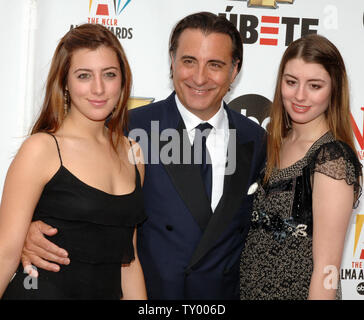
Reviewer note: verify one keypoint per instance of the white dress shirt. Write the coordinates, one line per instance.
(216, 143)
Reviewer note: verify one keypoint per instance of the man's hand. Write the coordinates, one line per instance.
(40, 252)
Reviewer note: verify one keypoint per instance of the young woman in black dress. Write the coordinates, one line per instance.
(77, 175)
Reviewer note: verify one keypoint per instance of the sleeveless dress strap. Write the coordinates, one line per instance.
(137, 175)
(59, 152)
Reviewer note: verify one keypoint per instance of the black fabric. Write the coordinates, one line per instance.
(350, 169)
(96, 228)
(201, 133)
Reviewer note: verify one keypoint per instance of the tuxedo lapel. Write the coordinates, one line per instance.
(185, 175)
(235, 186)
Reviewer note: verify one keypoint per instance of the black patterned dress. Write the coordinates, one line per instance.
(276, 262)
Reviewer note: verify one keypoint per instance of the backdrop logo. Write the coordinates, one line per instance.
(253, 106)
(265, 3)
(266, 29)
(103, 8)
(360, 288)
(356, 270)
(358, 229)
(136, 102)
(106, 12)
(358, 135)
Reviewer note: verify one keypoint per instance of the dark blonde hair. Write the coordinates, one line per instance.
(312, 48)
(89, 36)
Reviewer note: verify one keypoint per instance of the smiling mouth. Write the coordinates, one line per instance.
(300, 108)
(200, 91)
(98, 103)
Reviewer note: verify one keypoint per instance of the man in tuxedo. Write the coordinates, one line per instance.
(196, 194)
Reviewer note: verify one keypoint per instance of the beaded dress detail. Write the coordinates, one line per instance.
(276, 262)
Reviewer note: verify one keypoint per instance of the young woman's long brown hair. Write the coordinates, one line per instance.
(312, 49)
(89, 36)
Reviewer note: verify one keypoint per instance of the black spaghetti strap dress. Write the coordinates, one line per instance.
(96, 228)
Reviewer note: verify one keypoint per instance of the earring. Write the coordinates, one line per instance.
(287, 121)
(66, 101)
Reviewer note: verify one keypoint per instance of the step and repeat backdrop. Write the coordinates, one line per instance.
(30, 30)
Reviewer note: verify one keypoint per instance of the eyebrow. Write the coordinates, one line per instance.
(289, 75)
(212, 60)
(90, 70)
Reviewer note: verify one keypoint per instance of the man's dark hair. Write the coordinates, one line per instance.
(208, 23)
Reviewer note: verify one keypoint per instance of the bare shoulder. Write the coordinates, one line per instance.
(38, 145)
(39, 153)
(39, 139)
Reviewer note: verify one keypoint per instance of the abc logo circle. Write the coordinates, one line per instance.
(254, 106)
(360, 288)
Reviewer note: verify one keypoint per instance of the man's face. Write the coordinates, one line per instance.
(203, 71)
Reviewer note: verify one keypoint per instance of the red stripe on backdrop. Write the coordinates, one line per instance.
(269, 42)
(268, 30)
(270, 19)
